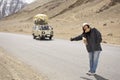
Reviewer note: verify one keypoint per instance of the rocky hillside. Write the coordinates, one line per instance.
(9, 7)
(67, 16)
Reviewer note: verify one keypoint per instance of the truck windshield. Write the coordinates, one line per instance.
(44, 27)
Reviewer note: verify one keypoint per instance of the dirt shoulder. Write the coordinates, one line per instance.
(13, 69)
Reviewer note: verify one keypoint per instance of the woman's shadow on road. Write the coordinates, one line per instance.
(97, 77)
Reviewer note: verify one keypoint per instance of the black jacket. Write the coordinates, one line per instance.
(93, 40)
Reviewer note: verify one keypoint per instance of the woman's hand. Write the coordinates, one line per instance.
(84, 40)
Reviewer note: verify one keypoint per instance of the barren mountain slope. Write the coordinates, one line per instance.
(67, 16)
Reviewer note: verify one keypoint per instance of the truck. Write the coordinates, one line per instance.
(41, 28)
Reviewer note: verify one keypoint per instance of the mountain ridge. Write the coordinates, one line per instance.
(9, 7)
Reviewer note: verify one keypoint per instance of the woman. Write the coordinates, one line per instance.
(92, 39)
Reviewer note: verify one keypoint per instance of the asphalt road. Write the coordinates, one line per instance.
(62, 59)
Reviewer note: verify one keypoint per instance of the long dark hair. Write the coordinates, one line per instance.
(83, 28)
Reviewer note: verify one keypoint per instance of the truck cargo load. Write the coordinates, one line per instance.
(40, 19)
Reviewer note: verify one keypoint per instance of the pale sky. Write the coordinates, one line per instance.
(28, 1)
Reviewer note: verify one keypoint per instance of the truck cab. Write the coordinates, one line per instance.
(42, 32)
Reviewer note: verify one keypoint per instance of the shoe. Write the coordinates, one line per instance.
(90, 74)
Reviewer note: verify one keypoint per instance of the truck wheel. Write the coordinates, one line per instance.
(50, 38)
(34, 37)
